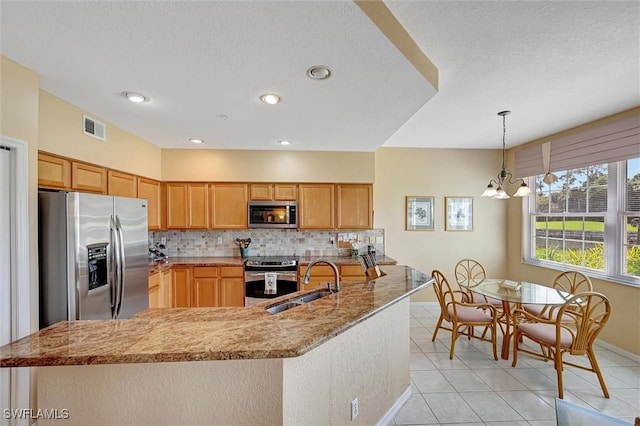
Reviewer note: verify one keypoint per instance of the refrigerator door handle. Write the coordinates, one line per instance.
(115, 269)
(121, 265)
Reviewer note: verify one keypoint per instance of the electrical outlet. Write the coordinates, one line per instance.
(372, 240)
(163, 241)
(332, 241)
(354, 409)
(219, 240)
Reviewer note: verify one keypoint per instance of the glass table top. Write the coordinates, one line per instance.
(519, 291)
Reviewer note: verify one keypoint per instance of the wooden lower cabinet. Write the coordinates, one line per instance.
(181, 286)
(204, 287)
(352, 273)
(166, 289)
(154, 290)
(231, 288)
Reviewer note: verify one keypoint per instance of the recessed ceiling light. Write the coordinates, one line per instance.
(196, 140)
(284, 142)
(135, 97)
(270, 99)
(223, 116)
(319, 72)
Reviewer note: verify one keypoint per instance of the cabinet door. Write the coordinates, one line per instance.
(154, 290)
(181, 294)
(231, 288)
(352, 273)
(261, 191)
(204, 293)
(85, 177)
(229, 205)
(164, 298)
(320, 274)
(150, 191)
(176, 205)
(198, 206)
(53, 172)
(355, 206)
(121, 184)
(316, 206)
(285, 191)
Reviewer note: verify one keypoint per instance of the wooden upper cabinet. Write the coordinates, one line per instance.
(86, 177)
(261, 191)
(176, 205)
(198, 206)
(316, 206)
(229, 205)
(187, 205)
(53, 172)
(271, 191)
(354, 203)
(121, 184)
(285, 191)
(150, 190)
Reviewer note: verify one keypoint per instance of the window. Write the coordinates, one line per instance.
(588, 219)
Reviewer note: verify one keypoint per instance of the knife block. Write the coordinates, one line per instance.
(373, 273)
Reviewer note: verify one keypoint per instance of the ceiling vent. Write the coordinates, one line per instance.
(93, 128)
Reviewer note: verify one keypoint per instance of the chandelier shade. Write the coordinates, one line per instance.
(495, 189)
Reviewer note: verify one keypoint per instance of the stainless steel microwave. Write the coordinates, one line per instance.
(273, 214)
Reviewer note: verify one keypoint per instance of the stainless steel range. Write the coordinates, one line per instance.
(267, 277)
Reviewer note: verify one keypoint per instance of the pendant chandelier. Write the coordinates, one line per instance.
(495, 189)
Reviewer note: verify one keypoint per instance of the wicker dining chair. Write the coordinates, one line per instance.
(570, 328)
(462, 315)
(571, 282)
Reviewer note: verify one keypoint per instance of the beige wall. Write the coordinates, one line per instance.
(623, 329)
(439, 172)
(19, 120)
(60, 132)
(267, 166)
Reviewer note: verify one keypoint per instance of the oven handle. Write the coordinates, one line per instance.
(259, 276)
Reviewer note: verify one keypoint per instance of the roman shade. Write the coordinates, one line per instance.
(616, 141)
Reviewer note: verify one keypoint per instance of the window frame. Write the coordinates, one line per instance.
(613, 236)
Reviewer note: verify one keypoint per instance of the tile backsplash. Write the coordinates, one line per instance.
(264, 242)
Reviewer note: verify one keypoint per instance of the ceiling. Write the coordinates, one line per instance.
(204, 65)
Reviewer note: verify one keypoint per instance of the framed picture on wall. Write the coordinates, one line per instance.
(419, 213)
(458, 213)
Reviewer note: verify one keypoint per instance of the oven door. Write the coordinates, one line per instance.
(287, 282)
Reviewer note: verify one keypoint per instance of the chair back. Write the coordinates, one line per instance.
(583, 316)
(572, 282)
(444, 293)
(469, 273)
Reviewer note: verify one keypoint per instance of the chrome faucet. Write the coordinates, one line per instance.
(336, 273)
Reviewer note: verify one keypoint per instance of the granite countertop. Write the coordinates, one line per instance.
(196, 334)
(238, 261)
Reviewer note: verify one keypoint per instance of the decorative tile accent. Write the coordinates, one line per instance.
(264, 242)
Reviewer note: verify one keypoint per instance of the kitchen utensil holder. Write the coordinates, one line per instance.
(244, 252)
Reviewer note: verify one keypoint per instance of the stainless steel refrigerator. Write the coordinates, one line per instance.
(93, 256)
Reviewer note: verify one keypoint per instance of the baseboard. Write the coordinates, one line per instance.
(619, 351)
(387, 419)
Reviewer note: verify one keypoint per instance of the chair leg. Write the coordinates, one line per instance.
(435, 332)
(494, 341)
(516, 339)
(454, 337)
(558, 366)
(596, 369)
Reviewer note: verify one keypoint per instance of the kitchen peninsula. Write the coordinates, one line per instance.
(304, 365)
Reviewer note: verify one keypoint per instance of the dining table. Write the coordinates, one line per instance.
(515, 294)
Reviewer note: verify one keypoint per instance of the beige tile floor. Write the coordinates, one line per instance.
(474, 389)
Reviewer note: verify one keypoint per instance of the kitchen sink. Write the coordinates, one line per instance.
(283, 307)
(315, 295)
